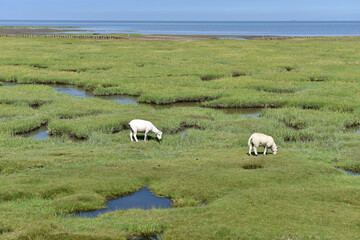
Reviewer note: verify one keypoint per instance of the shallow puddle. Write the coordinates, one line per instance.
(182, 134)
(247, 112)
(142, 199)
(40, 133)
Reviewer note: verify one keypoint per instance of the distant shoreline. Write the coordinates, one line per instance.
(225, 29)
(136, 37)
(20, 31)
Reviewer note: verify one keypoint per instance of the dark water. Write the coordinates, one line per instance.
(40, 133)
(142, 199)
(258, 28)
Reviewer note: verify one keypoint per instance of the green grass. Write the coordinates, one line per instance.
(309, 88)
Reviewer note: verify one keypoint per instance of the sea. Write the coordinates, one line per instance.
(253, 28)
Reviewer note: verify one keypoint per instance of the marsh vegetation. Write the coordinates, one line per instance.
(305, 92)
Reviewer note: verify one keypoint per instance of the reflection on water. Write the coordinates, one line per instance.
(352, 173)
(142, 199)
(349, 172)
(40, 133)
(80, 92)
(182, 134)
(122, 99)
(71, 90)
(10, 84)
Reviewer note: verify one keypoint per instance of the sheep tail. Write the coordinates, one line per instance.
(249, 142)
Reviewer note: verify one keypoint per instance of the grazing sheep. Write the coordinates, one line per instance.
(138, 125)
(259, 139)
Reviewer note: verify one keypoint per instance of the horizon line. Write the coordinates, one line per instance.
(181, 20)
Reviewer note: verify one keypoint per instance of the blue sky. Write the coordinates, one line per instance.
(176, 10)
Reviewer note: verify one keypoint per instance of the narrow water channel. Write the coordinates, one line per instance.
(10, 84)
(80, 92)
(127, 99)
(349, 172)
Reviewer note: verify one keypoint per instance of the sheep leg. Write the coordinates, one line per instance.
(146, 132)
(135, 136)
(131, 138)
(250, 150)
(255, 151)
(265, 150)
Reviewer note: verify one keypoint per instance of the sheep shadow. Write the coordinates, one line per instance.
(149, 138)
(260, 153)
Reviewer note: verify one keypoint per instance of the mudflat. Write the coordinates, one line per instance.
(35, 30)
(137, 37)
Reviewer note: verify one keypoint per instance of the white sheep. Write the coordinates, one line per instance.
(260, 139)
(138, 125)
